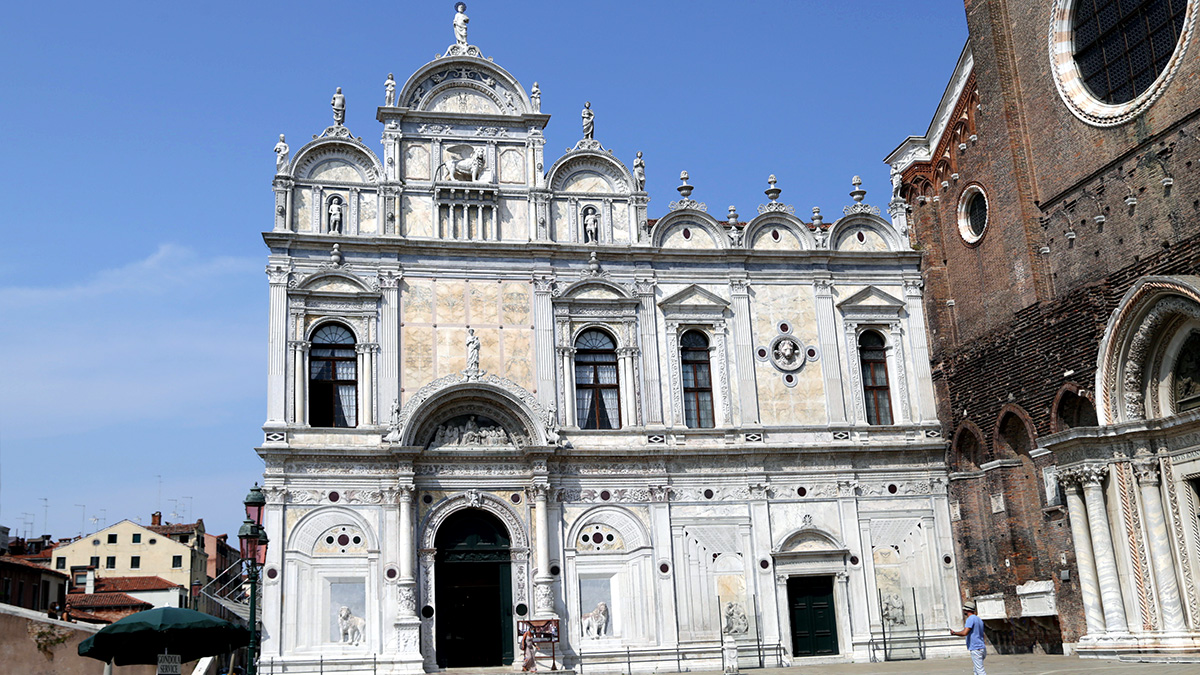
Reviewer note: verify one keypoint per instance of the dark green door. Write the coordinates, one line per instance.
(814, 624)
(474, 592)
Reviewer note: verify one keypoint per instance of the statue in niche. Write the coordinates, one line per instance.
(639, 171)
(535, 97)
(281, 155)
(786, 354)
(353, 628)
(339, 107)
(591, 226)
(595, 622)
(460, 23)
(472, 350)
(389, 88)
(736, 621)
(335, 215)
(589, 120)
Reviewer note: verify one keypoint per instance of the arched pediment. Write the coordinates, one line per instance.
(333, 281)
(597, 289)
(689, 229)
(336, 160)
(630, 530)
(589, 172)
(464, 85)
(1139, 332)
(863, 232)
(778, 232)
(303, 536)
(496, 402)
(810, 540)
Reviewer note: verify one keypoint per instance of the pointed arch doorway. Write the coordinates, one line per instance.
(474, 591)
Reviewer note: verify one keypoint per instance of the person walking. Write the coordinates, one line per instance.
(973, 631)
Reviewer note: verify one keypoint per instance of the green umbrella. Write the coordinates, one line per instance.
(141, 637)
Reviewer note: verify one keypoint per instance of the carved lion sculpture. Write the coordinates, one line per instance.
(595, 622)
(469, 168)
(352, 627)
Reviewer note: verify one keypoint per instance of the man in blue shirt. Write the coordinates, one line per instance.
(973, 630)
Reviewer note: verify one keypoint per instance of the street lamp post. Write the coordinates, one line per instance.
(253, 540)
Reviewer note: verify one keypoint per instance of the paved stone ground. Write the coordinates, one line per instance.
(996, 664)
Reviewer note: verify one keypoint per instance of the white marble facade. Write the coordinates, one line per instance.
(451, 290)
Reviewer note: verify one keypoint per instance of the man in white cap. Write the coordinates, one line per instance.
(973, 631)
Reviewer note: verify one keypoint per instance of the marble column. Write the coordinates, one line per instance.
(300, 380)
(543, 581)
(648, 333)
(1102, 548)
(1146, 468)
(387, 387)
(408, 596)
(366, 383)
(1089, 585)
(277, 354)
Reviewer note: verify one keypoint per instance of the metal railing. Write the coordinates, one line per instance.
(700, 656)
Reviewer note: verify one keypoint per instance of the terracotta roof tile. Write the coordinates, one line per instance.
(173, 528)
(22, 562)
(125, 584)
(104, 600)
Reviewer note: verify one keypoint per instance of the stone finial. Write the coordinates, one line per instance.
(818, 219)
(335, 256)
(593, 264)
(857, 193)
(685, 190)
(772, 192)
(733, 216)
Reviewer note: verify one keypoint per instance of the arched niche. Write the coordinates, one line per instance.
(863, 232)
(503, 402)
(1073, 407)
(1014, 435)
(305, 534)
(778, 232)
(336, 160)
(490, 89)
(1141, 346)
(631, 531)
(967, 450)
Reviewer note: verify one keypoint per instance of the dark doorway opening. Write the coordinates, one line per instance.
(474, 591)
(814, 624)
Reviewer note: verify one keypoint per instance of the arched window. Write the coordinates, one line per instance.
(1074, 411)
(333, 378)
(873, 356)
(1187, 375)
(697, 380)
(597, 389)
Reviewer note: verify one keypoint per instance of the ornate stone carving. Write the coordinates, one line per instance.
(339, 107)
(589, 121)
(1092, 474)
(407, 594)
(735, 619)
(281, 156)
(543, 598)
(1145, 467)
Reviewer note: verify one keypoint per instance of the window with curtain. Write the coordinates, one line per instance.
(333, 378)
(597, 389)
(697, 380)
(872, 353)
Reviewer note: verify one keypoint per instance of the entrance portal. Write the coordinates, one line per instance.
(814, 625)
(474, 591)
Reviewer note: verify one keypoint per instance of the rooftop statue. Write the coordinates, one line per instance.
(389, 88)
(639, 171)
(460, 24)
(281, 155)
(589, 117)
(535, 96)
(339, 107)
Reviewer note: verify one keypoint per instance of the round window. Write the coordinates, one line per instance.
(972, 214)
(1113, 60)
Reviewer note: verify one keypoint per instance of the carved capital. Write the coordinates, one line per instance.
(1092, 474)
(739, 286)
(913, 287)
(1146, 469)
(660, 493)
(278, 274)
(823, 287)
(539, 491)
(389, 279)
(544, 284)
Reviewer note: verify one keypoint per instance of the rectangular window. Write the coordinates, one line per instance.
(176, 562)
(183, 538)
(94, 561)
(137, 537)
(112, 538)
(80, 580)
(110, 562)
(60, 563)
(135, 562)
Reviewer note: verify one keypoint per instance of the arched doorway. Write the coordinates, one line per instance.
(474, 591)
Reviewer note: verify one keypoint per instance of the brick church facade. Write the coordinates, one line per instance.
(1054, 199)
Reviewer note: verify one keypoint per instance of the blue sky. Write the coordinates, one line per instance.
(137, 177)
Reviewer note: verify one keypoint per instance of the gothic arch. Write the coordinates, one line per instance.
(1149, 316)
(968, 448)
(1073, 407)
(473, 499)
(303, 535)
(1003, 433)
